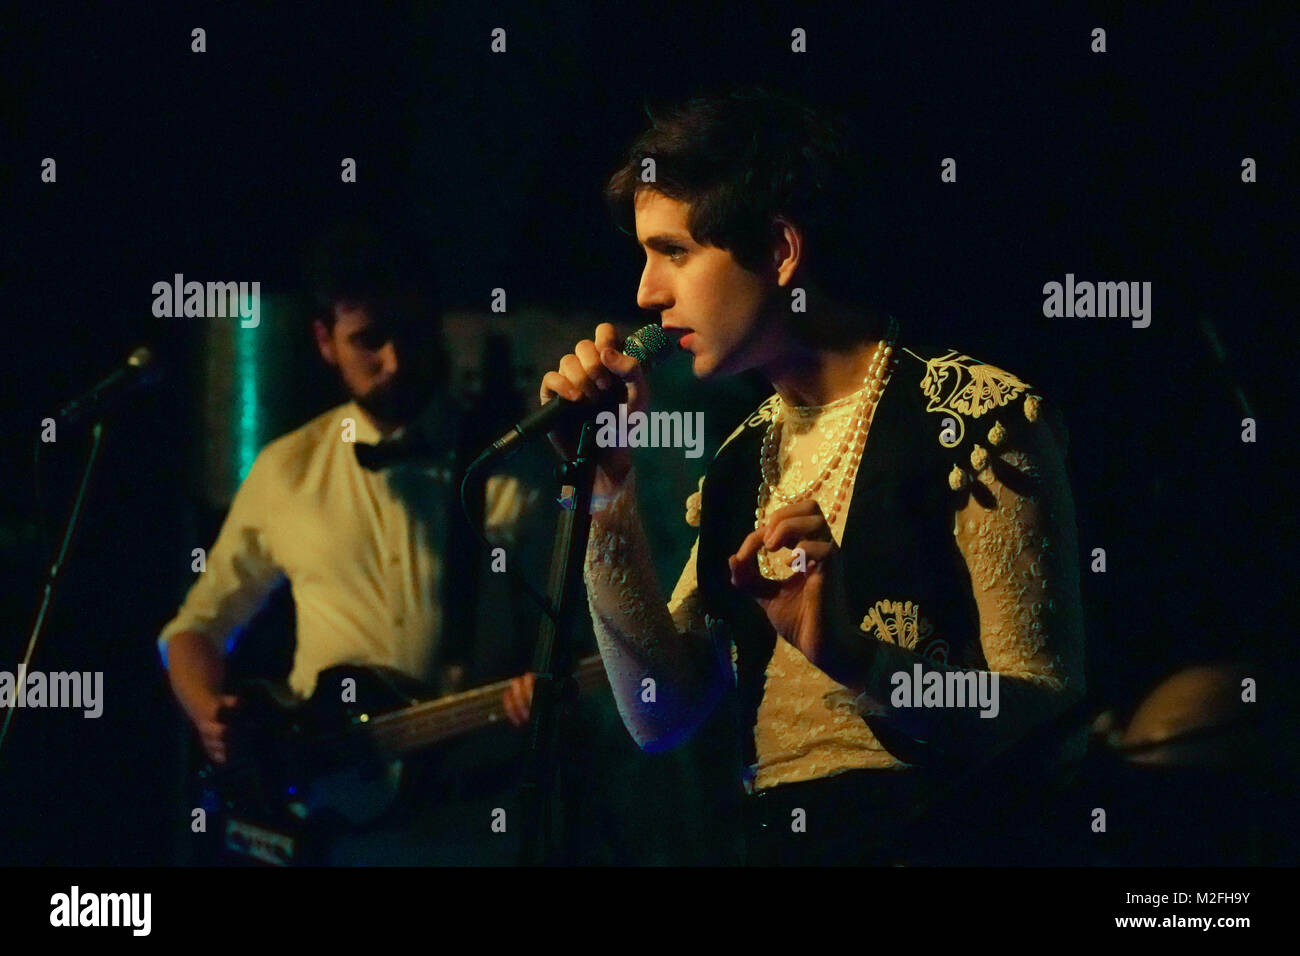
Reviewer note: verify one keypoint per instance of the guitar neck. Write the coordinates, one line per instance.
(414, 728)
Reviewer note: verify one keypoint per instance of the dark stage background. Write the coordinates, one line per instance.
(1116, 166)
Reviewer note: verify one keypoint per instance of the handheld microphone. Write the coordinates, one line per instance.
(649, 345)
(138, 372)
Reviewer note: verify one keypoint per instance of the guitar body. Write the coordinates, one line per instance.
(301, 770)
(297, 762)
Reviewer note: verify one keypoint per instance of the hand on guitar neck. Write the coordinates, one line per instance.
(211, 715)
(517, 699)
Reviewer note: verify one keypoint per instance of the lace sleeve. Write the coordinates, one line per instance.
(661, 666)
(1015, 529)
(685, 606)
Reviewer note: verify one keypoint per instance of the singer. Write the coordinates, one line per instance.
(891, 508)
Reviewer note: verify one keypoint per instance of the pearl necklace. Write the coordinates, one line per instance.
(850, 440)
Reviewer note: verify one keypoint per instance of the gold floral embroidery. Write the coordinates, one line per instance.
(897, 622)
(961, 386)
(765, 412)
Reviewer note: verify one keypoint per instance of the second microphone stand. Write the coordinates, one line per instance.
(553, 685)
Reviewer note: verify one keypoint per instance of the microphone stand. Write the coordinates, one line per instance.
(553, 687)
(56, 567)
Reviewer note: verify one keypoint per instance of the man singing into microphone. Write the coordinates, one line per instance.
(886, 566)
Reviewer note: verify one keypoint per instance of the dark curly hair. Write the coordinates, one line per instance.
(358, 260)
(743, 158)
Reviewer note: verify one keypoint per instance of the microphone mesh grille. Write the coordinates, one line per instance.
(648, 345)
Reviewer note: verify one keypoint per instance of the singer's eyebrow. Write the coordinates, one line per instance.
(661, 241)
(372, 331)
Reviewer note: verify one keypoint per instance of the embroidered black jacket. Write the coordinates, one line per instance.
(933, 443)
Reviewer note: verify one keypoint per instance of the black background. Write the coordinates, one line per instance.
(1117, 166)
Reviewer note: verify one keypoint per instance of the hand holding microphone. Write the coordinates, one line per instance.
(598, 372)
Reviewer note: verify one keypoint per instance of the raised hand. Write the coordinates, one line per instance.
(809, 609)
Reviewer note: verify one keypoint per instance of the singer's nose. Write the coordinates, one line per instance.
(388, 355)
(651, 294)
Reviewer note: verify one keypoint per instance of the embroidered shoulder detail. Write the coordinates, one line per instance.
(961, 387)
(764, 413)
(760, 416)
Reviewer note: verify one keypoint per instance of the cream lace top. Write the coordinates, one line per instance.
(1023, 565)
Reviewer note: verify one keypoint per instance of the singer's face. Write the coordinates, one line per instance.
(725, 310)
(383, 352)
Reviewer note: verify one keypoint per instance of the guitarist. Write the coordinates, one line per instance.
(372, 545)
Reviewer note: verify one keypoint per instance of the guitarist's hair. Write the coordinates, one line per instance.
(358, 260)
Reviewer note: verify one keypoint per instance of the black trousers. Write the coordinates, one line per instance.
(850, 819)
(896, 817)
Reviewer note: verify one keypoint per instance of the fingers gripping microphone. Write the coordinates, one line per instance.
(648, 345)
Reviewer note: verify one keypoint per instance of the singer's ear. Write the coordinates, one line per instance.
(324, 335)
(787, 250)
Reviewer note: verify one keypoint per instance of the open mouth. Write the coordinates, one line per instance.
(684, 335)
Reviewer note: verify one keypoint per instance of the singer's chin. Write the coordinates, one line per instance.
(702, 368)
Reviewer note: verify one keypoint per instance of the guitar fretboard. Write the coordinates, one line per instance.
(422, 725)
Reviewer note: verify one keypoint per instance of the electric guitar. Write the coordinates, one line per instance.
(334, 759)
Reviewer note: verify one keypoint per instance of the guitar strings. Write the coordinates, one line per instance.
(471, 709)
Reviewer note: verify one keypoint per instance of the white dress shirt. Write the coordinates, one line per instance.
(363, 551)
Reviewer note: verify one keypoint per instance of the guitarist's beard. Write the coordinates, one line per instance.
(396, 403)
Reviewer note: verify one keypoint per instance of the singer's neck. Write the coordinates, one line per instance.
(813, 375)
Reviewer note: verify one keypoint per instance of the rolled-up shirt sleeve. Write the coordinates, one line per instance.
(239, 571)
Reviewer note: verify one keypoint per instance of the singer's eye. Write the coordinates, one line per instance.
(675, 253)
(372, 339)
